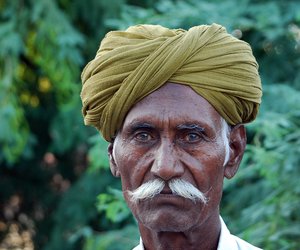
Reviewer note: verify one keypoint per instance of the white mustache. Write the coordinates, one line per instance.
(178, 187)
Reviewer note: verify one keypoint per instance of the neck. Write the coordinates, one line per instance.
(204, 236)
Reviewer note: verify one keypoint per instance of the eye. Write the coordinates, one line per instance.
(143, 137)
(192, 137)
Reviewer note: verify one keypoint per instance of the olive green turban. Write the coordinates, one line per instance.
(131, 64)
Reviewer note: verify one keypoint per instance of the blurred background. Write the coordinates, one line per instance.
(56, 191)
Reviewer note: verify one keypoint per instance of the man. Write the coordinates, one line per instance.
(172, 104)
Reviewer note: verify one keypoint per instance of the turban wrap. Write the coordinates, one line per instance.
(131, 64)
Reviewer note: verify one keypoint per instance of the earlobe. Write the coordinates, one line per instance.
(113, 166)
(237, 143)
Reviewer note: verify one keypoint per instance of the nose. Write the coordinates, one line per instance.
(167, 164)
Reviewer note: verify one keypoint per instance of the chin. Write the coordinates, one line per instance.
(167, 227)
(168, 221)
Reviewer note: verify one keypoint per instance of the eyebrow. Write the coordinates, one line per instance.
(140, 125)
(191, 126)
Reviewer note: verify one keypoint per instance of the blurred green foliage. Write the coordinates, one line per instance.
(58, 168)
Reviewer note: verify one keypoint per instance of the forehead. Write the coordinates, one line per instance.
(174, 103)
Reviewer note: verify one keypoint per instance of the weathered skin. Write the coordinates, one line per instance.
(158, 141)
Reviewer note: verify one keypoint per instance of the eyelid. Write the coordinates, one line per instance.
(142, 133)
(142, 130)
(197, 130)
(200, 133)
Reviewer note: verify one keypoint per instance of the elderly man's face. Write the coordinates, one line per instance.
(174, 134)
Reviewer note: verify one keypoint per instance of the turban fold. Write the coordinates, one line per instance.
(131, 64)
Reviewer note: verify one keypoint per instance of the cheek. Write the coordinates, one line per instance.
(207, 169)
(214, 175)
(125, 163)
(133, 166)
(207, 173)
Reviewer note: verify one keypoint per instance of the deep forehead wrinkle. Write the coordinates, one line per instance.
(183, 122)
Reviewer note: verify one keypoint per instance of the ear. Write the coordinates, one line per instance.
(237, 144)
(113, 166)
